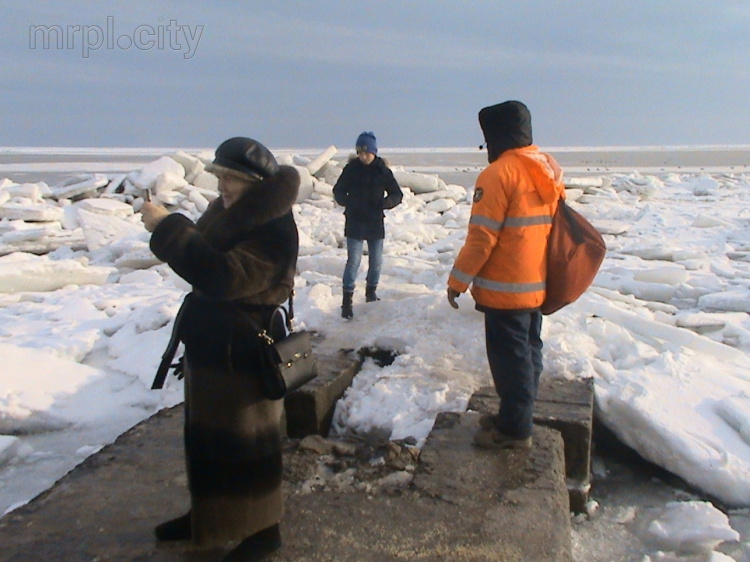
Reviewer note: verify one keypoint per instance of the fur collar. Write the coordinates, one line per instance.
(265, 201)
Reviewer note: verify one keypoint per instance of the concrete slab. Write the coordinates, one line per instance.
(567, 406)
(309, 410)
(519, 498)
(106, 508)
(464, 504)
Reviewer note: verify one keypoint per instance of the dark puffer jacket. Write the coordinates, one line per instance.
(365, 190)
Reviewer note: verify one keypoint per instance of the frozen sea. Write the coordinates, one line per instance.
(664, 330)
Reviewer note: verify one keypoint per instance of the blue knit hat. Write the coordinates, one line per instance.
(366, 142)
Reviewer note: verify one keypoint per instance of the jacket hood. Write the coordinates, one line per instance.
(505, 126)
(544, 171)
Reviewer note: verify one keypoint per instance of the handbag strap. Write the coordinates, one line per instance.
(169, 352)
(290, 312)
(264, 332)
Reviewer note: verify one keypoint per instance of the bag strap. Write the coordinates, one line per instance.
(290, 312)
(573, 226)
(265, 333)
(169, 352)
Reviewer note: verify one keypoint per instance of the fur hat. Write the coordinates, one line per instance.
(366, 142)
(505, 125)
(245, 158)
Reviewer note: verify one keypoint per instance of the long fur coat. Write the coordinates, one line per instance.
(241, 263)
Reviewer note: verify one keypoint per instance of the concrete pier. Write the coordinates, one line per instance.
(458, 502)
(568, 407)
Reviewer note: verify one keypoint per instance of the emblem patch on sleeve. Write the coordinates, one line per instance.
(478, 192)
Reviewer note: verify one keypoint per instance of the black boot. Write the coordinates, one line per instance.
(346, 305)
(370, 295)
(175, 530)
(257, 546)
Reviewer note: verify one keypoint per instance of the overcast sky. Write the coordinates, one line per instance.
(312, 74)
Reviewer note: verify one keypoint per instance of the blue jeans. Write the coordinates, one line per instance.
(514, 351)
(354, 249)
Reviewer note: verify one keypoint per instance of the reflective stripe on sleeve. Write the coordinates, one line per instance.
(481, 220)
(461, 276)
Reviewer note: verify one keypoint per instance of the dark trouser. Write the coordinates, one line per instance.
(514, 351)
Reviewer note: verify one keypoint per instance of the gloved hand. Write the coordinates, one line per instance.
(178, 368)
(452, 296)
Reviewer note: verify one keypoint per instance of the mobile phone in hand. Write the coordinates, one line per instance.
(148, 194)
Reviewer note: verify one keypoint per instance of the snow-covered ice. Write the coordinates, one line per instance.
(85, 311)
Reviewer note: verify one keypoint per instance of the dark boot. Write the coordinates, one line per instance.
(346, 305)
(257, 546)
(175, 530)
(370, 295)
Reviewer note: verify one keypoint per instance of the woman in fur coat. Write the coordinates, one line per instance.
(240, 258)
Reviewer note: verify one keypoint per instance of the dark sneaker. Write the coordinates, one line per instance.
(175, 530)
(493, 439)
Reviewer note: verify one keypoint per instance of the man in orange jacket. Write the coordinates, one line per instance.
(504, 260)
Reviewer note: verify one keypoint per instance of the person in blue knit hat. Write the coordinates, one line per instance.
(365, 189)
(366, 142)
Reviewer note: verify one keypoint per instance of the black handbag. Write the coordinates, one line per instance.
(287, 363)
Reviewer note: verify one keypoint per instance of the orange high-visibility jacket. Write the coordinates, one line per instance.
(504, 258)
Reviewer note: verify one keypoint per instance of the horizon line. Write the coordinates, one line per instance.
(573, 148)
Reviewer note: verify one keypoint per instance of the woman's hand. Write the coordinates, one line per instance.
(152, 215)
